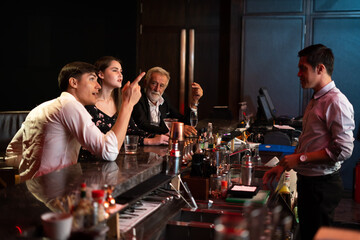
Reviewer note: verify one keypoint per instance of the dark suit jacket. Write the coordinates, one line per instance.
(141, 115)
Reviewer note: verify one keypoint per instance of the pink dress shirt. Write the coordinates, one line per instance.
(51, 136)
(328, 123)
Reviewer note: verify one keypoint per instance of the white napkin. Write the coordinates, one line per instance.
(272, 162)
(286, 127)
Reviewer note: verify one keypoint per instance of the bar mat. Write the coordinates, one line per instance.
(261, 198)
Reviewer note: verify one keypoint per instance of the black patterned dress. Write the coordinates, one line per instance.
(105, 123)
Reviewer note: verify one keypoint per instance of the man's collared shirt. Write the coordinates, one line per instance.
(155, 112)
(328, 123)
(51, 136)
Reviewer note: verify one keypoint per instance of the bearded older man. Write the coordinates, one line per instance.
(153, 107)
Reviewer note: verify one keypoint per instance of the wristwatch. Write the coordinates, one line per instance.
(303, 158)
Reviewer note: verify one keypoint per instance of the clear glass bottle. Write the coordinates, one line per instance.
(256, 158)
(199, 146)
(243, 117)
(210, 137)
(201, 141)
(215, 186)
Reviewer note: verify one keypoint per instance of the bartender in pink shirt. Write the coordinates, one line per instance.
(51, 135)
(326, 141)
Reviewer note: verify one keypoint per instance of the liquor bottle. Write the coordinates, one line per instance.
(243, 115)
(198, 160)
(284, 191)
(256, 157)
(201, 141)
(197, 165)
(199, 146)
(210, 137)
(82, 191)
(82, 211)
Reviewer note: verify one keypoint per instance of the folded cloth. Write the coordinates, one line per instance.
(272, 162)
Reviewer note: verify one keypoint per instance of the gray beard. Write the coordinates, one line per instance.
(153, 97)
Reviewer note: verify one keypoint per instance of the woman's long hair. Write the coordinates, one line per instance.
(101, 64)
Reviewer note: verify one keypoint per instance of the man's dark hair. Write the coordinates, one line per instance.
(75, 70)
(319, 54)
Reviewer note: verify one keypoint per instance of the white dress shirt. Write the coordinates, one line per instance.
(155, 112)
(328, 123)
(51, 136)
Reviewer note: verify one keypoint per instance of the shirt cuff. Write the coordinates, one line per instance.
(110, 150)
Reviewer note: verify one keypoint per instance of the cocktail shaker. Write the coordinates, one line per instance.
(247, 170)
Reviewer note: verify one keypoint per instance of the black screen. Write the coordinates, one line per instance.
(264, 91)
(265, 112)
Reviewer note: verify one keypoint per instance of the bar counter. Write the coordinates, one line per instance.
(21, 205)
(132, 176)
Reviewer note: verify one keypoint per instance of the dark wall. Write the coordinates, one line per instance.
(274, 31)
(37, 41)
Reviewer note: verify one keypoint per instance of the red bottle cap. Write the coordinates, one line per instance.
(224, 183)
(97, 193)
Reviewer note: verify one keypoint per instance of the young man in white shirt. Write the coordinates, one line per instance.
(325, 143)
(51, 135)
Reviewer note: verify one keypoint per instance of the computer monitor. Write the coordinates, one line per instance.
(264, 112)
(263, 91)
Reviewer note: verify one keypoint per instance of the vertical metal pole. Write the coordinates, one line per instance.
(182, 71)
(191, 60)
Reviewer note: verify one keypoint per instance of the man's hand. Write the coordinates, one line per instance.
(160, 150)
(196, 93)
(157, 140)
(274, 173)
(189, 131)
(288, 162)
(131, 91)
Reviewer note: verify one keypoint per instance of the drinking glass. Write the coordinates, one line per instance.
(169, 121)
(193, 119)
(131, 143)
